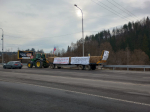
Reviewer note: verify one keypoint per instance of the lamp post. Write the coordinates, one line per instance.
(82, 27)
(2, 43)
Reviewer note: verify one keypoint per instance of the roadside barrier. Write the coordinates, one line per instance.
(126, 66)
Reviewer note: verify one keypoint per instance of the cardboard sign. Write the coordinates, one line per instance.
(61, 60)
(80, 60)
(105, 55)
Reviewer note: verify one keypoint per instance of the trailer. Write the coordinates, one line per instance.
(83, 63)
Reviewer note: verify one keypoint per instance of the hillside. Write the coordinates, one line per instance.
(129, 44)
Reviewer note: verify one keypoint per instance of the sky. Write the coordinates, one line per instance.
(43, 24)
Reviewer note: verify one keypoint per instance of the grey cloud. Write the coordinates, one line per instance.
(39, 22)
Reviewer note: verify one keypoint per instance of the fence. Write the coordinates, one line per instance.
(117, 66)
(126, 66)
(22, 63)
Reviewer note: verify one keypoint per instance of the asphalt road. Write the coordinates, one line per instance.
(72, 90)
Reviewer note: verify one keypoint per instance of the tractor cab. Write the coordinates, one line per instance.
(38, 56)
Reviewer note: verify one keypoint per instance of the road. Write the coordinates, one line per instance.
(72, 90)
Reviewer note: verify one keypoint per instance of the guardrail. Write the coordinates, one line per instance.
(22, 63)
(126, 66)
(117, 66)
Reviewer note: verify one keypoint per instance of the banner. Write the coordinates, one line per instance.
(25, 54)
(105, 55)
(80, 60)
(61, 60)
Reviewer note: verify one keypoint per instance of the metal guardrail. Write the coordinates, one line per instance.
(117, 66)
(22, 63)
(126, 66)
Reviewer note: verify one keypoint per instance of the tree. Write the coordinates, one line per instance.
(145, 45)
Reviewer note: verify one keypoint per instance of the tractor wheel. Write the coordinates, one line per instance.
(29, 65)
(52, 66)
(87, 67)
(81, 67)
(46, 66)
(38, 64)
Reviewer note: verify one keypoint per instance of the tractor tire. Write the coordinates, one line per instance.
(29, 65)
(81, 67)
(52, 66)
(46, 66)
(38, 64)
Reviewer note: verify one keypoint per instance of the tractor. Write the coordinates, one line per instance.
(39, 62)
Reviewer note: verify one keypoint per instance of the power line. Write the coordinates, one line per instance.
(109, 10)
(119, 8)
(125, 9)
(109, 7)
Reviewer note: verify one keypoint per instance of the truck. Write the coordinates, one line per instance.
(82, 63)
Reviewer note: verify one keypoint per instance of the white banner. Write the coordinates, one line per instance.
(80, 60)
(105, 55)
(61, 60)
(25, 57)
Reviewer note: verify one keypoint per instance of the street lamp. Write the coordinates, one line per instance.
(2, 43)
(82, 27)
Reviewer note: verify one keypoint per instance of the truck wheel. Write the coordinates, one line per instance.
(87, 67)
(52, 66)
(81, 67)
(29, 65)
(38, 64)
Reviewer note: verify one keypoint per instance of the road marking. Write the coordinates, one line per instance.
(105, 97)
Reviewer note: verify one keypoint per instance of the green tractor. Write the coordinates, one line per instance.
(39, 62)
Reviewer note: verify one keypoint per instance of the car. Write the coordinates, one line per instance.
(13, 64)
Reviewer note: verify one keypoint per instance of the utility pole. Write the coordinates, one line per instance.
(82, 28)
(2, 43)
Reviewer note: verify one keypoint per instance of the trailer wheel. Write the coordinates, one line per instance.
(52, 66)
(93, 67)
(81, 67)
(87, 67)
(59, 67)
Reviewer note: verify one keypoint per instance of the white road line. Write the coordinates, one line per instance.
(121, 100)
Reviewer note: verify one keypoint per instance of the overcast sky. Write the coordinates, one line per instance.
(43, 24)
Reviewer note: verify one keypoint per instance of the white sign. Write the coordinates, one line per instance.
(25, 57)
(80, 60)
(61, 60)
(105, 55)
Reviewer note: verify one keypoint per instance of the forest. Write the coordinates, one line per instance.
(128, 45)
